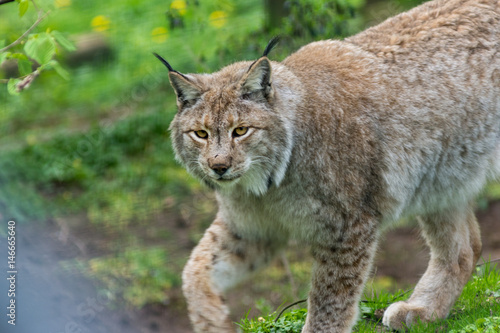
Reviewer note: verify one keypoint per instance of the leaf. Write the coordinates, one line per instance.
(23, 7)
(18, 56)
(2, 43)
(3, 56)
(12, 86)
(60, 70)
(24, 66)
(480, 322)
(41, 48)
(30, 46)
(46, 50)
(63, 41)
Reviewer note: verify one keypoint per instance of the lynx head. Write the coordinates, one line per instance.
(229, 131)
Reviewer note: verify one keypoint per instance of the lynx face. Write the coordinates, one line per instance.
(228, 134)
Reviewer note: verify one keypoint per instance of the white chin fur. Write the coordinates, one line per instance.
(227, 185)
(258, 179)
(255, 185)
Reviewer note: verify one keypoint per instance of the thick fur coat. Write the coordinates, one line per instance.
(338, 139)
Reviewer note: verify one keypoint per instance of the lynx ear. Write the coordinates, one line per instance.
(257, 81)
(187, 91)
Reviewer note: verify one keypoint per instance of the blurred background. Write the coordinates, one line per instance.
(105, 218)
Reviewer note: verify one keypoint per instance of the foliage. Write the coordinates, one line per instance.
(315, 19)
(473, 312)
(482, 325)
(292, 321)
(38, 51)
(97, 168)
(137, 276)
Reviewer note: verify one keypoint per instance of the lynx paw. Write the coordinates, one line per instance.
(401, 315)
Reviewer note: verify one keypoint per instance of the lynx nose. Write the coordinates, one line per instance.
(219, 169)
(220, 164)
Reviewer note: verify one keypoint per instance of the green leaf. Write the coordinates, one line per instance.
(23, 7)
(63, 41)
(60, 70)
(12, 86)
(480, 322)
(3, 56)
(24, 66)
(46, 50)
(30, 46)
(42, 49)
(20, 56)
(2, 43)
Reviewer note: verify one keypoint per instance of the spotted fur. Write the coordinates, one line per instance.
(343, 137)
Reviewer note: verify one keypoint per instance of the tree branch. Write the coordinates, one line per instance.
(17, 41)
(2, 2)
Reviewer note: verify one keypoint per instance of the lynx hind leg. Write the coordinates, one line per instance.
(221, 260)
(455, 245)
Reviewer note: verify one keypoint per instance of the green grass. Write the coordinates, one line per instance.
(136, 276)
(476, 310)
(71, 171)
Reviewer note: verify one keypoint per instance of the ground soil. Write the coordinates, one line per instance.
(53, 300)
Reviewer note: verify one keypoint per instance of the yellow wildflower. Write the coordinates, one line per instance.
(62, 3)
(159, 34)
(179, 6)
(100, 23)
(218, 18)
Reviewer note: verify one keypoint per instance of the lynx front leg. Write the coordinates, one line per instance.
(221, 260)
(339, 275)
(455, 244)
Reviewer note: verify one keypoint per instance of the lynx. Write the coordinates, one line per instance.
(337, 140)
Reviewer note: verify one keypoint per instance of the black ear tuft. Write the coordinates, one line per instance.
(272, 43)
(163, 61)
(186, 90)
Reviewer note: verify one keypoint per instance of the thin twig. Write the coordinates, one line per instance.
(20, 77)
(3, 2)
(395, 298)
(288, 307)
(34, 5)
(17, 41)
(401, 295)
(487, 262)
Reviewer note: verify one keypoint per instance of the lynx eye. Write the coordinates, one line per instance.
(201, 134)
(239, 131)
